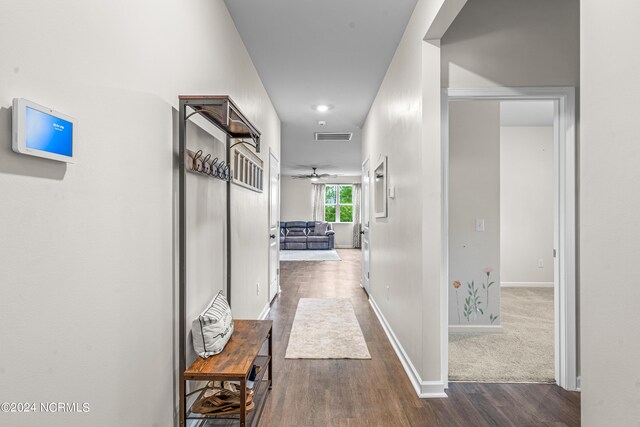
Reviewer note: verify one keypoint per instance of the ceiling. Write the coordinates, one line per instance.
(526, 113)
(330, 52)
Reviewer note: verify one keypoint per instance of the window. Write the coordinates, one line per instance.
(338, 203)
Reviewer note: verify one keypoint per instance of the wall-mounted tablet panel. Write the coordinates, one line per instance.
(42, 132)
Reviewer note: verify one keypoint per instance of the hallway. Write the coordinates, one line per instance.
(377, 392)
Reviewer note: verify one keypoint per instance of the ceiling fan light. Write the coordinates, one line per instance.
(314, 179)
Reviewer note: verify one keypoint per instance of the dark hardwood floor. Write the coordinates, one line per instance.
(377, 392)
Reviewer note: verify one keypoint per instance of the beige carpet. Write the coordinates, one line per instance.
(523, 352)
(326, 328)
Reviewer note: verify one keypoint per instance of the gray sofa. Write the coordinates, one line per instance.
(301, 235)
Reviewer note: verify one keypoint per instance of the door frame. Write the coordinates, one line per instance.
(565, 297)
(272, 156)
(365, 220)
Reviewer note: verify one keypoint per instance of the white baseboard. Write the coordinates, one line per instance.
(579, 383)
(343, 247)
(265, 312)
(487, 329)
(424, 389)
(526, 284)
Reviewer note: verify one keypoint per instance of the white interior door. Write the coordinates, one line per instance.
(366, 256)
(274, 226)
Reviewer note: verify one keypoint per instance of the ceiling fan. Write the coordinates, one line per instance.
(314, 176)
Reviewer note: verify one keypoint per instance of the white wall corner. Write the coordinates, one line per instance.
(432, 389)
(265, 312)
(424, 389)
(487, 329)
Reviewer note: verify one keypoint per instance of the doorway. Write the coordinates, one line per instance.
(563, 251)
(366, 256)
(274, 226)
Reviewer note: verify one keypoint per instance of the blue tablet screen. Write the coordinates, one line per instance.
(49, 133)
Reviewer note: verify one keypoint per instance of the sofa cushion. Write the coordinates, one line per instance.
(296, 224)
(294, 245)
(319, 245)
(317, 238)
(320, 229)
(296, 228)
(295, 239)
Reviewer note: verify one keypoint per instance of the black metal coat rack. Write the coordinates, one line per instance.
(222, 112)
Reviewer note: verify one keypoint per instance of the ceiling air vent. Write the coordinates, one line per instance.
(334, 136)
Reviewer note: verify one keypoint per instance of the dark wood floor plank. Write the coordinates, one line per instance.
(377, 392)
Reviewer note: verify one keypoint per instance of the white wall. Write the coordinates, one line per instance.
(296, 200)
(296, 204)
(513, 43)
(86, 261)
(609, 206)
(474, 194)
(404, 124)
(526, 205)
(503, 175)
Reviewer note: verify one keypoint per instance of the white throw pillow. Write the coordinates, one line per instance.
(212, 329)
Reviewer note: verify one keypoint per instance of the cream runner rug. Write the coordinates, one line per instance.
(326, 328)
(309, 255)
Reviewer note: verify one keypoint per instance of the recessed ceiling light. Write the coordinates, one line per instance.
(322, 123)
(322, 108)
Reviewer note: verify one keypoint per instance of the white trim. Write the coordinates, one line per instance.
(565, 301)
(343, 247)
(265, 312)
(270, 297)
(444, 236)
(526, 284)
(432, 390)
(465, 329)
(424, 389)
(365, 216)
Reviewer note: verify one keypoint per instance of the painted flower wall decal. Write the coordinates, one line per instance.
(472, 303)
(473, 306)
(488, 284)
(456, 285)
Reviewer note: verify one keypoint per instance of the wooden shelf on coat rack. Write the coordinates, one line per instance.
(224, 114)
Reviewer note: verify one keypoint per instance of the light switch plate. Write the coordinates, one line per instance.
(392, 192)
